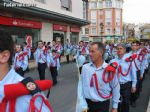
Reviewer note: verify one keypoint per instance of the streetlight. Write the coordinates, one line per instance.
(101, 26)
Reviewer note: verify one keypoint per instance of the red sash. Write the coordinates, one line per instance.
(136, 66)
(120, 70)
(95, 79)
(11, 95)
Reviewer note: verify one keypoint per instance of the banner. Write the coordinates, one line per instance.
(29, 41)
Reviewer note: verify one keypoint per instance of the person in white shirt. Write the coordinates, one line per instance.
(14, 95)
(96, 88)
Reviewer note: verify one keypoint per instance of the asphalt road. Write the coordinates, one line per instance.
(63, 95)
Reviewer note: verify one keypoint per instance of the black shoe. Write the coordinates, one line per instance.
(133, 104)
(54, 83)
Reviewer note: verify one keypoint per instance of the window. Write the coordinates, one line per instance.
(117, 30)
(118, 4)
(86, 30)
(108, 23)
(108, 31)
(108, 4)
(84, 10)
(118, 23)
(93, 31)
(93, 5)
(93, 21)
(41, 1)
(108, 14)
(93, 14)
(66, 4)
(99, 5)
(118, 14)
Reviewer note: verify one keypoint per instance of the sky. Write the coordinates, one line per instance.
(136, 11)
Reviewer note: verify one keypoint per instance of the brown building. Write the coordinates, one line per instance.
(106, 21)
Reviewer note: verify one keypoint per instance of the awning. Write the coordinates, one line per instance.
(108, 38)
(131, 39)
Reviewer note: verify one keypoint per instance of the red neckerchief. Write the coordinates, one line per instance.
(83, 50)
(40, 56)
(141, 54)
(55, 59)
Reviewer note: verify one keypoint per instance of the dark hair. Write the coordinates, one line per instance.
(81, 41)
(138, 42)
(6, 43)
(25, 43)
(100, 45)
(21, 47)
(54, 51)
(48, 43)
(134, 42)
(40, 41)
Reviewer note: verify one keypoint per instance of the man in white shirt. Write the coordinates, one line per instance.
(94, 92)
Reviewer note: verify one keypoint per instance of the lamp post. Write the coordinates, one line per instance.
(101, 26)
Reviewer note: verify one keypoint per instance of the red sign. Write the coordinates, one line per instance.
(20, 22)
(29, 41)
(75, 29)
(59, 27)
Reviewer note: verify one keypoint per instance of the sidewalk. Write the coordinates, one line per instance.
(148, 108)
(32, 63)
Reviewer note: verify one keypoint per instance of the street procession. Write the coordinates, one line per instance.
(55, 59)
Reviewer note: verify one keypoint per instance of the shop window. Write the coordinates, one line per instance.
(66, 4)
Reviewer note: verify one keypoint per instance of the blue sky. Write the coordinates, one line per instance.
(136, 11)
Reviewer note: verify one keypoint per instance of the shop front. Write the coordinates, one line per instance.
(74, 35)
(97, 39)
(21, 29)
(59, 33)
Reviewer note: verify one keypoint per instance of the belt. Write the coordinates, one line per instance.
(94, 101)
(122, 83)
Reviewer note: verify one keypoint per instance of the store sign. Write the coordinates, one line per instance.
(20, 22)
(29, 41)
(75, 29)
(57, 27)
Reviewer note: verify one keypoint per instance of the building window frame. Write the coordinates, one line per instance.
(93, 30)
(65, 6)
(41, 1)
(93, 5)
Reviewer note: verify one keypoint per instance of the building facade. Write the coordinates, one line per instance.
(106, 20)
(46, 20)
(145, 32)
